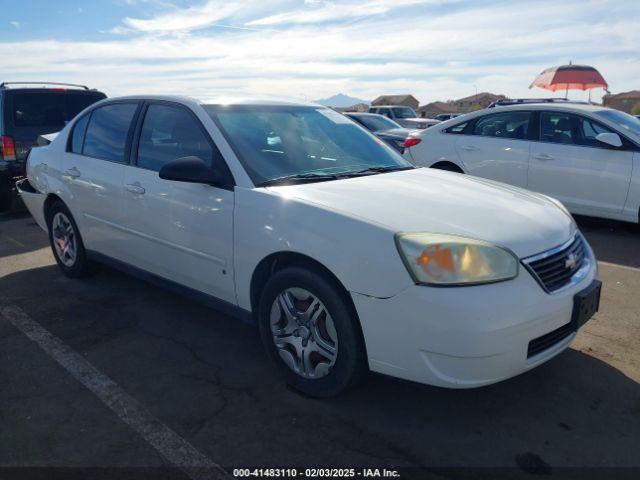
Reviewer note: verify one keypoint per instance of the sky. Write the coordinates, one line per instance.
(310, 49)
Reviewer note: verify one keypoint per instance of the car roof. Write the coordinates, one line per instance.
(561, 106)
(221, 100)
(363, 114)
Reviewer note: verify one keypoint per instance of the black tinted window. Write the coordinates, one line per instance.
(106, 135)
(503, 125)
(169, 133)
(77, 136)
(560, 127)
(49, 109)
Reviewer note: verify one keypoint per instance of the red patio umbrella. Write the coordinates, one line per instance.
(570, 77)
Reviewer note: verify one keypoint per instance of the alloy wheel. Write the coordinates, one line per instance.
(64, 239)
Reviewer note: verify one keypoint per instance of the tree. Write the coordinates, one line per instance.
(636, 109)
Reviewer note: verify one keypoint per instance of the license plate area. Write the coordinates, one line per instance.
(586, 303)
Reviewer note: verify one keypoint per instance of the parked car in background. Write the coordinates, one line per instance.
(347, 256)
(25, 114)
(586, 156)
(382, 127)
(446, 116)
(404, 116)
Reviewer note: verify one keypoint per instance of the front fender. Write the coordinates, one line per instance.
(362, 255)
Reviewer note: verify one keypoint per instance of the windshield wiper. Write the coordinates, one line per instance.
(380, 169)
(300, 178)
(323, 177)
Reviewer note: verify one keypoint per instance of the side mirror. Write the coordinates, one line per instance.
(611, 139)
(189, 169)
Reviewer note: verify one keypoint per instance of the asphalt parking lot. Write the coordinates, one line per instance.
(203, 377)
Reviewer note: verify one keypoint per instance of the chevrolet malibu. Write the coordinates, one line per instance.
(349, 258)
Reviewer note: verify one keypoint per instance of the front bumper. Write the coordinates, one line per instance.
(465, 337)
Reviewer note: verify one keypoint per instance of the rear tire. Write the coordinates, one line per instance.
(66, 242)
(310, 331)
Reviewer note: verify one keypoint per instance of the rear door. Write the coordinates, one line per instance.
(496, 146)
(179, 231)
(569, 164)
(93, 169)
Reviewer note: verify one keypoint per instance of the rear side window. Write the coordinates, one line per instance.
(77, 136)
(169, 133)
(459, 128)
(108, 130)
(513, 125)
(49, 109)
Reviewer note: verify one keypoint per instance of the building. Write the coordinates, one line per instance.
(627, 101)
(476, 102)
(430, 110)
(407, 100)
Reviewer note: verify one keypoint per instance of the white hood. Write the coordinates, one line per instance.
(427, 200)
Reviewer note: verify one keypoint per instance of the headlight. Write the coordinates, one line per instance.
(437, 259)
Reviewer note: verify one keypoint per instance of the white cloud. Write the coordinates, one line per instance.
(316, 11)
(191, 18)
(435, 56)
(15, 24)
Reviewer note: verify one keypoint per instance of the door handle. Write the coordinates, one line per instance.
(543, 156)
(135, 188)
(470, 148)
(73, 172)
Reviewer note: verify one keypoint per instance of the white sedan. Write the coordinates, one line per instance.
(291, 215)
(586, 156)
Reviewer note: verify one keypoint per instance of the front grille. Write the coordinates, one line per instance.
(553, 269)
(548, 340)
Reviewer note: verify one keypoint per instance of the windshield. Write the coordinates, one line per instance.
(376, 123)
(274, 142)
(404, 112)
(623, 120)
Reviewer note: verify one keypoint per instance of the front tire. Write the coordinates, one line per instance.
(66, 242)
(310, 331)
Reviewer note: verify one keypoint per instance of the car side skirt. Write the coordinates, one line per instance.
(203, 298)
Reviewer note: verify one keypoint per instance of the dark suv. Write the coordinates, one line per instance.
(25, 114)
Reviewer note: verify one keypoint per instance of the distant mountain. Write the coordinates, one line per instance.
(340, 100)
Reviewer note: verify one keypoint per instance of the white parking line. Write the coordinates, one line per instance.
(167, 442)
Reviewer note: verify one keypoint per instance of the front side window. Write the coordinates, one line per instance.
(107, 131)
(566, 128)
(274, 142)
(384, 111)
(169, 133)
(513, 125)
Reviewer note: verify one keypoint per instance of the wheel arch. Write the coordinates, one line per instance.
(447, 165)
(50, 200)
(279, 260)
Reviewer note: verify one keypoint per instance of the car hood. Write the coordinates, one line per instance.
(427, 200)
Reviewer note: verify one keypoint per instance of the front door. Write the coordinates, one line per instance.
(180, 231)
(497, 147)
(569, 164)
